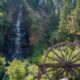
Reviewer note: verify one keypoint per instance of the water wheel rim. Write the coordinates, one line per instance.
(73, 59)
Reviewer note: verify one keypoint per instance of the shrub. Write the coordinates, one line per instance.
(2, 66)
(16, 70)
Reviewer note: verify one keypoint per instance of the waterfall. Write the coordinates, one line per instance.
(5, 74)
(40, 2)
(18, 34)
(4, 77)
(17, 38)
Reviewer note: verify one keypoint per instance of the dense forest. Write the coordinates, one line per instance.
(46, 23)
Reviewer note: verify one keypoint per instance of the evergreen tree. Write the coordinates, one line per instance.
(66, 9)
(74, 20)
(78, 4)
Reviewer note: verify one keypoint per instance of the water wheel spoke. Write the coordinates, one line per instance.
(78, 72)
(53, 74)
(73, 73)
(76, 60)
(74, 57)
(48, 76)
(78, 69)
(70, 55)
(54, 59)
(59, 73)
(66, 52)
(63, 56)
(67, 74)
(57, 56)
(53, 70)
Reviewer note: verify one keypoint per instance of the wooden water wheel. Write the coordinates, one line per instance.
(61, 60)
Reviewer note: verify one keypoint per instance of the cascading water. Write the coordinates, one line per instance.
(4, 77)
(17, 39)
(18, 34)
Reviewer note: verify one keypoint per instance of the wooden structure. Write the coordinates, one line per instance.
(61, 60)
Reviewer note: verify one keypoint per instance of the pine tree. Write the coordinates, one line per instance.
(78, 4)
(78, 9)
(74, 20)
(66, 10)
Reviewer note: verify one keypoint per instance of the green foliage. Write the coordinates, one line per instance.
(4, 22)
(21, 70)
(43, 32)
(37, 53)
(69, 21)
(32, 72)
(57, 36)
(2, 61)
(74, 20)
(63, 16)
(34, 3)
(2, 66)
(78, 4)
(25, 70)
(16, 70)
(48, 6)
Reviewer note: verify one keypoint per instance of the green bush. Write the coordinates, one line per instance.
(21, 70)
(32, 72)
(2, 66)
(16, 70)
